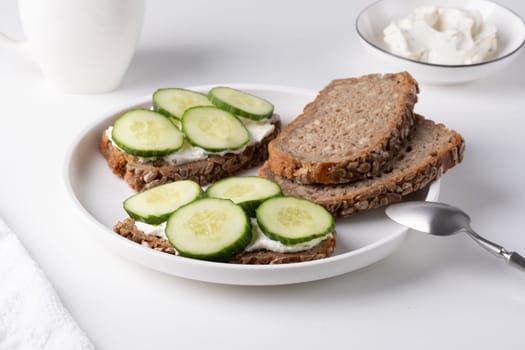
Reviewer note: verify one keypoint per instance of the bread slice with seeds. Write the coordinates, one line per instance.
(352, 128)
(430, 150)
(325, 248)
(141, 175)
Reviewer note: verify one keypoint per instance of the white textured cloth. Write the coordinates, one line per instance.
(31, 314)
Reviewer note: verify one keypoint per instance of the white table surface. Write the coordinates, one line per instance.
(432, 293)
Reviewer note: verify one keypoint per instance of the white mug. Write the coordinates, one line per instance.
(82, 46)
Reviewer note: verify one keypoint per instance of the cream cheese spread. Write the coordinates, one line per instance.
(188, 153)
(259, 242)
(442, 35)
(155, 230)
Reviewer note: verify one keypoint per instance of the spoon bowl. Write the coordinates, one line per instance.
(435, 218)
(442, 219)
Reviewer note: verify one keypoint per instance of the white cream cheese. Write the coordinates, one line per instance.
(155, 230)
(188, 153)
(442, 35)
(260, 240)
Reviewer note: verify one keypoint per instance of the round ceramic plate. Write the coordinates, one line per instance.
(98, 195)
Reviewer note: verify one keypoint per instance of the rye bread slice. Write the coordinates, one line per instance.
(352, 128)
(430, 150)
(141, 176)
(324, 249)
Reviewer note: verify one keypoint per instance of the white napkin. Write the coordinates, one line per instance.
(31, 314)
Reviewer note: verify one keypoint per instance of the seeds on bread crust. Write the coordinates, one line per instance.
(429, 152)
(128, 230)
(352, 128)
(266, 257)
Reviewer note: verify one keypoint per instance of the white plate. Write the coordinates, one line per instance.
(98, 195)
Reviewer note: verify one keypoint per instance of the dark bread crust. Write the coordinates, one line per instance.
(379, 192)
(128, 230)
(324, 249)
(141, 176)
(365, 164)
(265, 257)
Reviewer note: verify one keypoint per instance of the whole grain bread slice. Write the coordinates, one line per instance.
(430, 150)
(352, 128)
(141, 175)
(129, 230)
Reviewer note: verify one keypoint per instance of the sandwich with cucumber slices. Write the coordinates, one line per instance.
(187, 135)
(242, 220)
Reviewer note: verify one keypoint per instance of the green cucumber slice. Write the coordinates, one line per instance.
(213, 129)
(210, 229)
(155, 205)
(145, 133)
(293, 220)
(247, 191)
(172, 102)
(240, 103)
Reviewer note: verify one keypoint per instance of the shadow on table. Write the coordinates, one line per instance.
(407, 267)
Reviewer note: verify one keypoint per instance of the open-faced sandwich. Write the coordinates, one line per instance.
(189, 135)
(238, 219)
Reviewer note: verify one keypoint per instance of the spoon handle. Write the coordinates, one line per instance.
(512, 258)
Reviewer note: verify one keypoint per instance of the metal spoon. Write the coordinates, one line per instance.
(444, 220)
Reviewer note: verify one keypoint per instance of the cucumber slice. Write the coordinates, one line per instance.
(213, 129)
(145, 133)
(155, 205)
(293, 220)
(209, 229)
(172, 102)
(247, 191)
(240, 103)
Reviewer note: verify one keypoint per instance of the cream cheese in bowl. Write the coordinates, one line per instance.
(375, 18)
(442, 35)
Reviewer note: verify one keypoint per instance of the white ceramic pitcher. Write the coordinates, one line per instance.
(82, 46)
